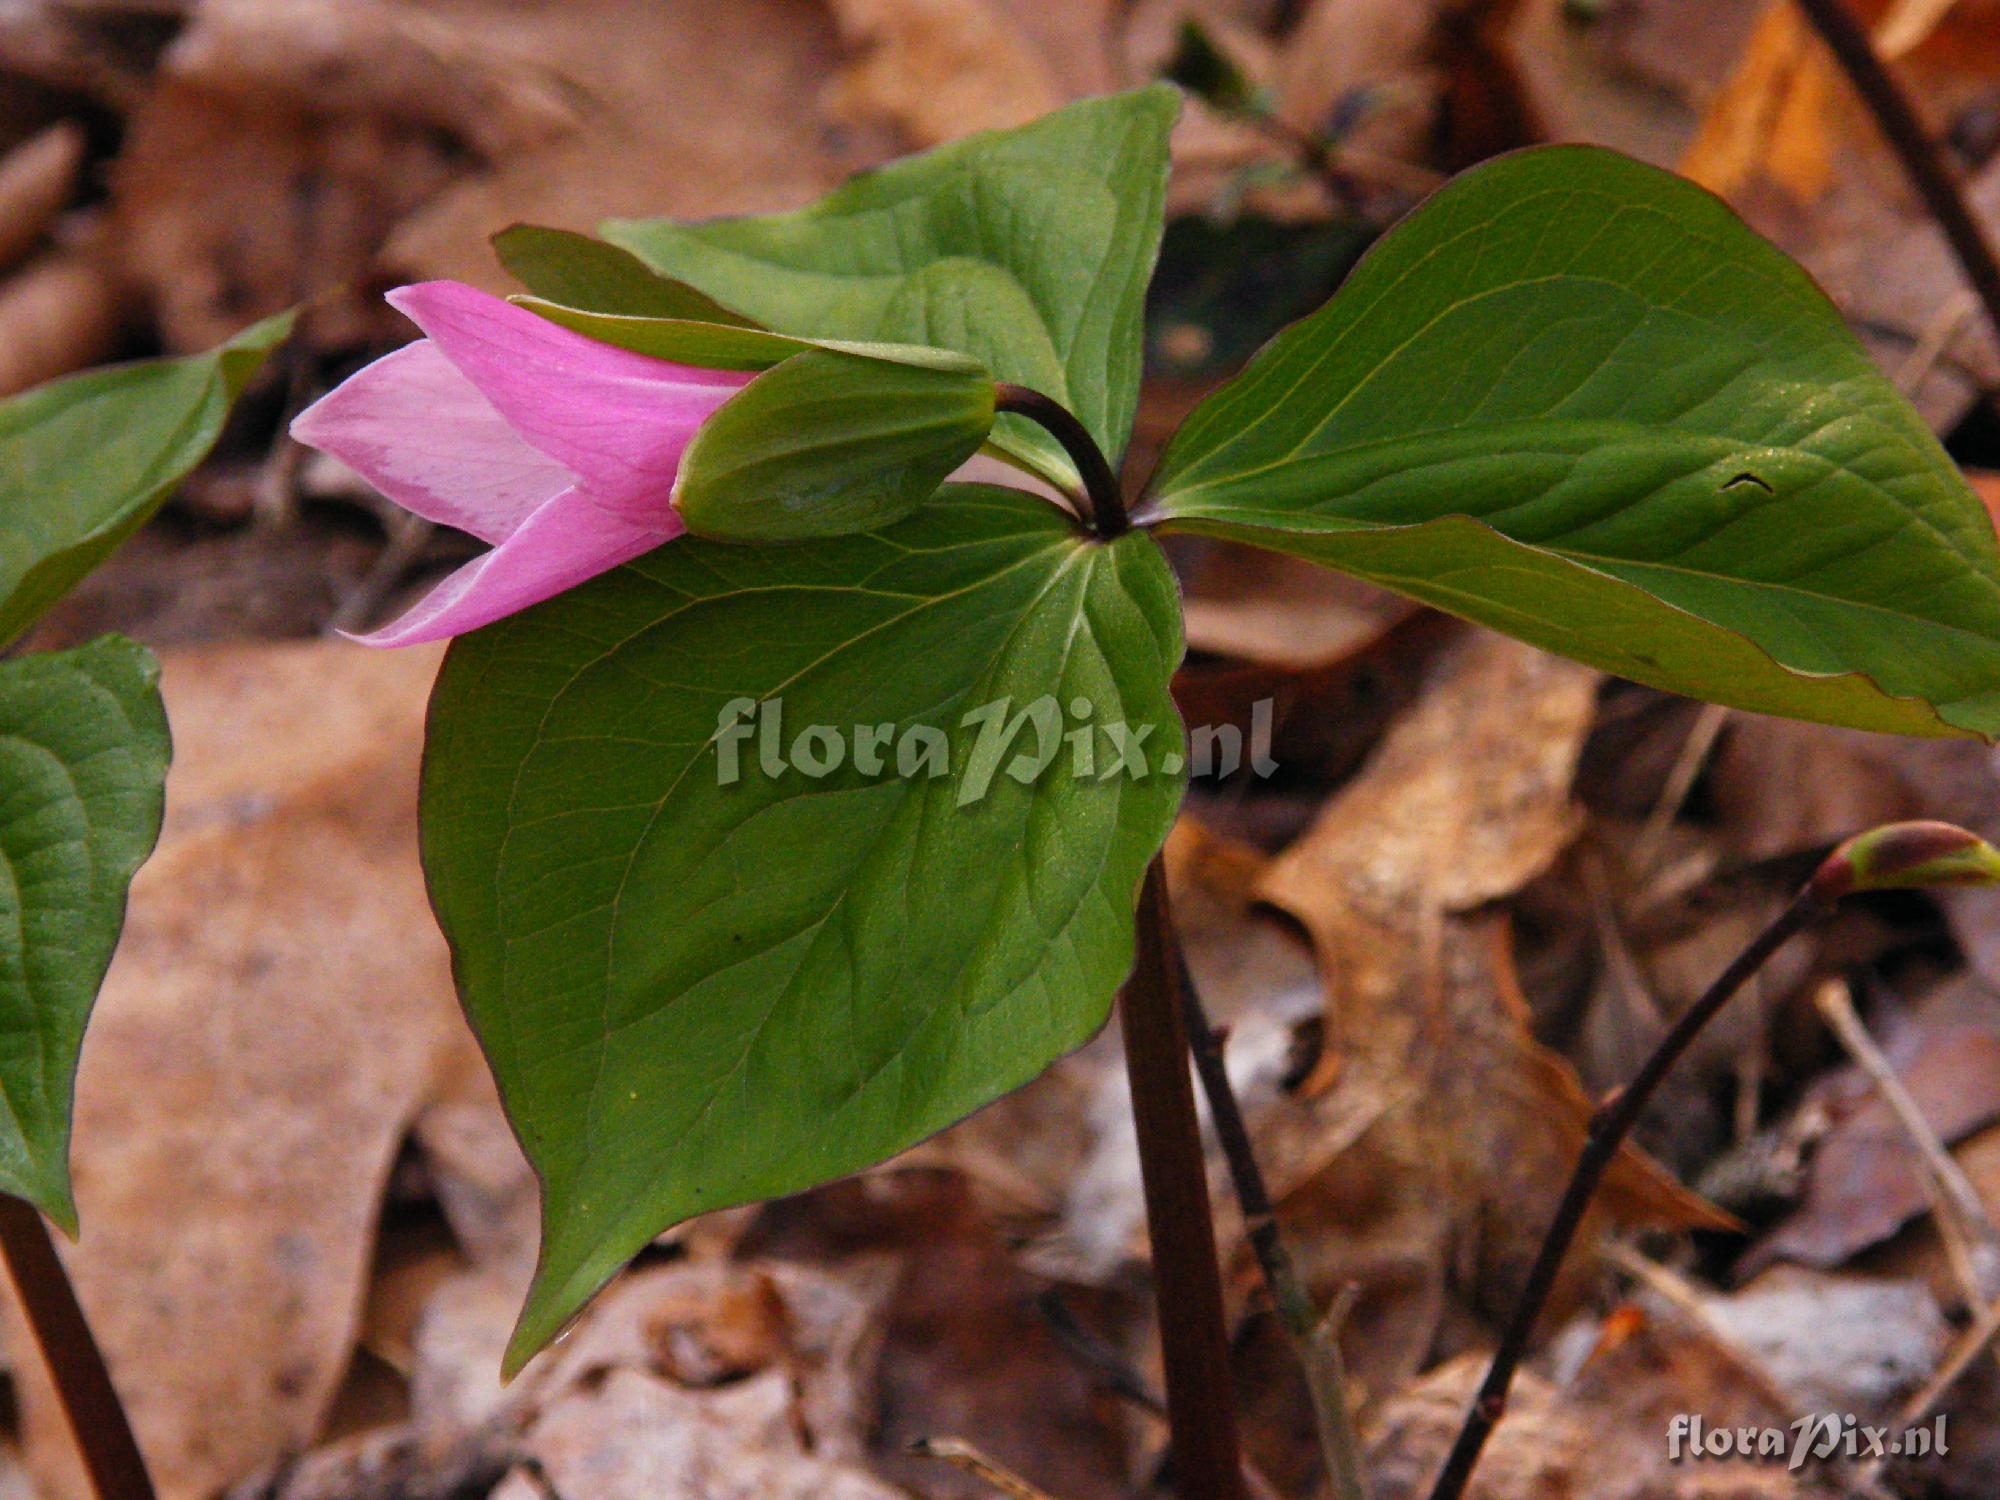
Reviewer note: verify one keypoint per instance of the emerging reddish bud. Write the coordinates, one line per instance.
(1906, 856)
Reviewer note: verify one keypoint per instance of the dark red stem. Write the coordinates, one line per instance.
(83, 1384)
(1194, 1337)
(1103, 498)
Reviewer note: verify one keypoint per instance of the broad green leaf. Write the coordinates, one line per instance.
(83, 764)
(701, 985)
(828, 443)
(1574, 398)
(562, 266)
(1029, 249)
(84, 462)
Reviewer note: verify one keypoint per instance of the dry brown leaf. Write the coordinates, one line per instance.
(963, 1348)
(692, 1381)
(1789, 143)
(1865, 1180)
(1340, 48)
(636, 1435)
(694, 110)
(37, 178)
(1636, 76)
(397, 136)
(938, 69)
(58, 315)
(213, 249)
(1600, 1434)
(1908, 24)
(279, 1011)
(1775, 117)
(1467, 798)
(1261, 607)
(443, 64)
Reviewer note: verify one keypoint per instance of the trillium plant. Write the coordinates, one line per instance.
(720, 467)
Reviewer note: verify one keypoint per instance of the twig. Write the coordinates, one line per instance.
(1958, 1201)
(1609, 1127)
(1673, 1289)
(1934, 180)
(1314, 1339)
(1124, 1381)
(1187, 1284)
(83, 1385)
(1111, 1367)
(1958, 1359)
(1694, 753)
(407, 536)
(968, 1459)
(1933, 339)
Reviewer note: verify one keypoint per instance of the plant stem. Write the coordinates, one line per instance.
(1187, 1284)
(83, 1385)
(1912, 142)
(1102, 497)
(1312, 1337)
(1609, 1127)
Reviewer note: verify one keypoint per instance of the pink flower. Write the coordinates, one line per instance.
(559, 450)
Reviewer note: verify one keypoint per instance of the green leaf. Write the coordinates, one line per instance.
(575, 270)
(698, 991)
(828, 443)
(728, 346)
(84, 462)
(1028, 249)
(1575, 398)
(83, 764)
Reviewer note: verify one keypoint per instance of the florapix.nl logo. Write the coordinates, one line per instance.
(1024, 743)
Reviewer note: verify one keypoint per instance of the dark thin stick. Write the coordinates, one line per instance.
(1107, 516)
(83, 1385)
(1934, 180)
(1091, 1351)
(1313, 1341)
(1120, 1378)
(1609, 1127)
(1187, 1284)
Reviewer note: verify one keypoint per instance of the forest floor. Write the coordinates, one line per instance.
(1480, 885)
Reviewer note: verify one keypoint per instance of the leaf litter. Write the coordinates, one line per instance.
(1477, 887)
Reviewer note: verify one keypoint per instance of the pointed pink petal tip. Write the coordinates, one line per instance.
(566, 542)
(419, 432)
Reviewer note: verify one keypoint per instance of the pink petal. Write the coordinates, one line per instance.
(568, 540)
(421, 433)
(619, 420)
